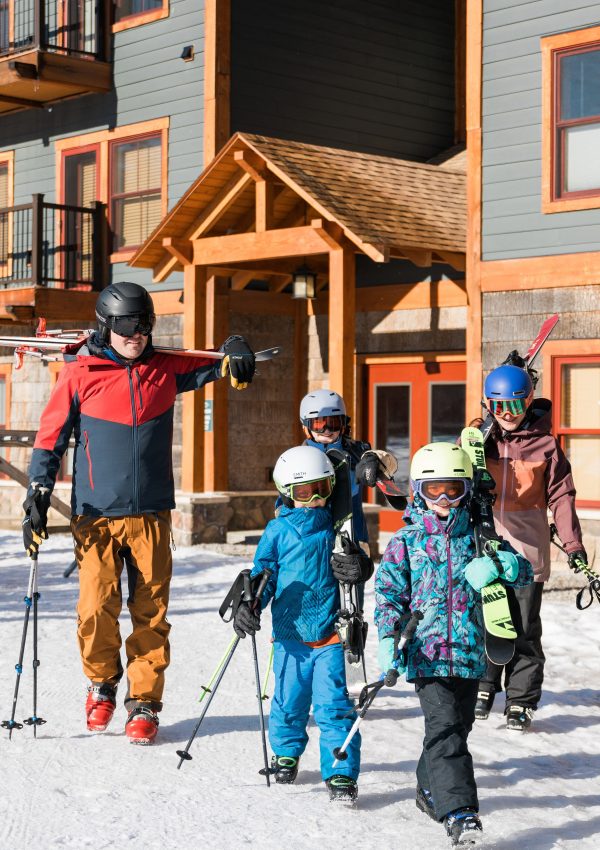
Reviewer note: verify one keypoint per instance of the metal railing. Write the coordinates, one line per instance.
(70, 27)
(43, 244)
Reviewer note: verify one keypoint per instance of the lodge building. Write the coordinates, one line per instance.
(397, 193)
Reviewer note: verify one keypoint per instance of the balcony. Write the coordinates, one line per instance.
(51, 50)
(47, 246)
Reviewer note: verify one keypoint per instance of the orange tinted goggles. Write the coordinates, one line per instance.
(320, 424)
(309, 490)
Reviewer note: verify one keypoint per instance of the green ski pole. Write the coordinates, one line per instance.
(263, 695)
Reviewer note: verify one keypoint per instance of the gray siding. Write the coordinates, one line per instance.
(376, 77)
(513, 225)
(150, 81)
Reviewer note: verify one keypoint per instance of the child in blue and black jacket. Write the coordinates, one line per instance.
(308, 657)
(430, 565)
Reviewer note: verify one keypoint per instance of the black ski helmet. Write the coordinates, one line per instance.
(120, 300)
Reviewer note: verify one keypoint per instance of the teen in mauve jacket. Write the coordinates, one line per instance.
(532, 474)
(423, 569)
(121, 416)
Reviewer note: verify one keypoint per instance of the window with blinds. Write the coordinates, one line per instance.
(80, 172)
(135, 197)
(577, 383)
(128, 8)
(4, 216)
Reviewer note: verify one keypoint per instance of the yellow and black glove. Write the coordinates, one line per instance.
(238, 362)
(36, 517)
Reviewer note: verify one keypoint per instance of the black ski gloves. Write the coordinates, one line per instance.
(36, 516)
(367, 469)
(578, 559)
(246, 620)
(353, 565)
(238, 362)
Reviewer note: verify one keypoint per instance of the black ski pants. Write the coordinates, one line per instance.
(524, 674)
(445, 767)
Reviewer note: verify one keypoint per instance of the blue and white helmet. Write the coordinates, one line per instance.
(321, 403)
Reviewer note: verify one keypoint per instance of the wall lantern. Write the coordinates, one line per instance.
(304, 282)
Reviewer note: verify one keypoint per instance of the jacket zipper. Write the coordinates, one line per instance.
(139, 383)
(89, 459)
(450, 587)
(504, 480)
(136, 498)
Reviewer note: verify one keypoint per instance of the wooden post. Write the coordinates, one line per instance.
(194, 332)
(216, 440)
(217, 75)
(300, 364)
(342, 323)
(473, 274)
(37, 237)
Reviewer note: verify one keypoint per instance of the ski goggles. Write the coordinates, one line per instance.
(512, 406)
(434, 490)
(320, 424)
(306, 491)
(131, 325)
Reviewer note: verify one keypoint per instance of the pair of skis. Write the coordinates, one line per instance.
(53, 345)
(350, 625)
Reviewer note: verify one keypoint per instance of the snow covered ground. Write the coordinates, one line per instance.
(70, 789)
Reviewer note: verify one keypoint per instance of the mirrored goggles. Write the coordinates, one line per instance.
(306, 491)
(513, 406)
(451, 489)
(320, 424)
(131, 325)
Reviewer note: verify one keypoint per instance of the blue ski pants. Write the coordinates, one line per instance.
(306, 675)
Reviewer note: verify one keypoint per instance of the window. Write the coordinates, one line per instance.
(135, 207)
(124, 168)
(6, 217)
(134, 13)
(571, 121)
(576, 405)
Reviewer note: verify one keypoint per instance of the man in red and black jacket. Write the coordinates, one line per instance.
(116, 395)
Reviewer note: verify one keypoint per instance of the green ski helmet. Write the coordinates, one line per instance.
(441, 472)
(440, 461)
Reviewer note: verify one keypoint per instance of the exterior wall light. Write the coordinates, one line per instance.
(303, 283)
(187, 54)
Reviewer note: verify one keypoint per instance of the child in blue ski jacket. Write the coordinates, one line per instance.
(430, 566)
(308, 657)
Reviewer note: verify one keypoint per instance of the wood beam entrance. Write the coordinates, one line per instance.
(236, 248)
(194, 332)
(342, 323)
(216, 456)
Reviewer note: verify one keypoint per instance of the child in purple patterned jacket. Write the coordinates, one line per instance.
(430, 566)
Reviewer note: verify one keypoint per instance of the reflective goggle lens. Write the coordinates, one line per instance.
(453, 489)
(325, 423)
(309, 490)
(130, 325)
(514, 406)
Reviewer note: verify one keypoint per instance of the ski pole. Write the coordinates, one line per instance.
(263, 695)
(34, 720)
(249, 598)
(206, 689)
(370, 691)
(70, 569)
(580, 567)
(12, 723)
(184, 754)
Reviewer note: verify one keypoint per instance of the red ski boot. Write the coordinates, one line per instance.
(142, 725)
(100, 706)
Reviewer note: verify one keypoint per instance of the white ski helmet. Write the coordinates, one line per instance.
(301, 465)
(321, 403)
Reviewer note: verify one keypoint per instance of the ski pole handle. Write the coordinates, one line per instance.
(400, 641)
(262, 585)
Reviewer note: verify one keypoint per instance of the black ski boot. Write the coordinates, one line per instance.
(342, 789)
(519, 717)
(424, 802)
(463, 826)
(285, 769)
(485, 701)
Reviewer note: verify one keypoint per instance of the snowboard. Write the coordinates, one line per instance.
(500, 632)
(350, 625)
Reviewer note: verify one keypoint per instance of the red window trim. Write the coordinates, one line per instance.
(112, 146)
(558, 430)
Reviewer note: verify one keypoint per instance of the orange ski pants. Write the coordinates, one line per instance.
(101, 546)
